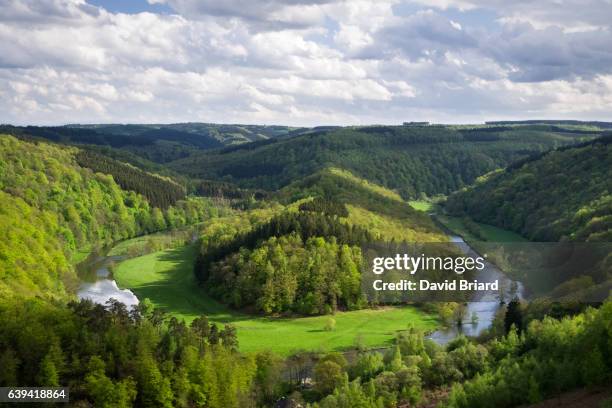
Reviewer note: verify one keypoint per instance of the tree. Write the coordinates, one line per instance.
(229, 336)
(10, 363)
(213, 336)
(393, 359)
(154, 388)
(48, 375)
(367, 366)
(104, 392)
(201, 328)
(330, 324)
(268, 375)
(145, 307)
(459, 313)
(327, 376)
(594, 368)
(514, 316)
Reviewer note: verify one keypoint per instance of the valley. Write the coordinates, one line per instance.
(222, 254)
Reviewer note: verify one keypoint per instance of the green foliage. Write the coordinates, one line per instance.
(219, 189)
(327, 376)
(51, 207)
(160, 192)
(289, 274)
(367, 366)
(117, 358)
(274, 266)
(564, 194)
(167, 279)
(330, 324)
(379, 210)
(514, 316)
(553, 356)
(411, 160)
(325, 206)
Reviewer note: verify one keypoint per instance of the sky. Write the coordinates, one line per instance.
(304, 62)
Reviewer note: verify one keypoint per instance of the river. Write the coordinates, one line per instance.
(98, 285)
(484, 305)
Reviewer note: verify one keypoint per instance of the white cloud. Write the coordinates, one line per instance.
(304, 62)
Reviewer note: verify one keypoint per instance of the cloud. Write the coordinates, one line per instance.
(536, 55)
(304, 62)
(425, 33)
(569, 14)
(260, 15)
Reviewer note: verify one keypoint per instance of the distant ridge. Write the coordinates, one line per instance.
(602, 125)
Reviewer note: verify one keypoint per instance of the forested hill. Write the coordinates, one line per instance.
(566, 193)
(411, 160)
(50, 207)
(159, 191)
(152, 142)
(306, 257)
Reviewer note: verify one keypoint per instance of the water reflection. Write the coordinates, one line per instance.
(484, 305)
(97, 283)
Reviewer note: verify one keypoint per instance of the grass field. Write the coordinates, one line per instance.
(167, 279)
(488, 232)
(425, 206)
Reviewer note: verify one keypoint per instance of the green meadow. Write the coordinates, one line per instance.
(422, 205)
(485, 232)
(167, 279)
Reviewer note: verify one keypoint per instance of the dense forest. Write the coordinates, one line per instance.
(414, 161)
(114, 357)
(219, 189)
(51, 207)
(288, 274)
(308, 259)
(542, 360)
(562, 194)
(160, 192)
(302, 262)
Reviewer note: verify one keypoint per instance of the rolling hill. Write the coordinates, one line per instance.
(51, 206)
(562, 194)
(414, 161)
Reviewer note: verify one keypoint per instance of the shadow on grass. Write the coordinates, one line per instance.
(177, 291)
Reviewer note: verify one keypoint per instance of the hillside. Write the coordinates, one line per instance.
(563, 194)
(307, 257)
(50, 207)
(411, 160)
(382, 211)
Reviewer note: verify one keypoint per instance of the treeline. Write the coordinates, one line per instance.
(50, 207)
(111, 357)
(304, 224)
(340, 187)
(117, 136)
(65, 134)
(114, 357)
(410, 160)
(219, 189)
(160, 192)
(565, 194)
(602, 125)
(325, 206)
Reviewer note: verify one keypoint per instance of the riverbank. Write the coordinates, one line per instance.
(475, 231)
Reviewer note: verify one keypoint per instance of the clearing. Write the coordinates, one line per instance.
(167, 279)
